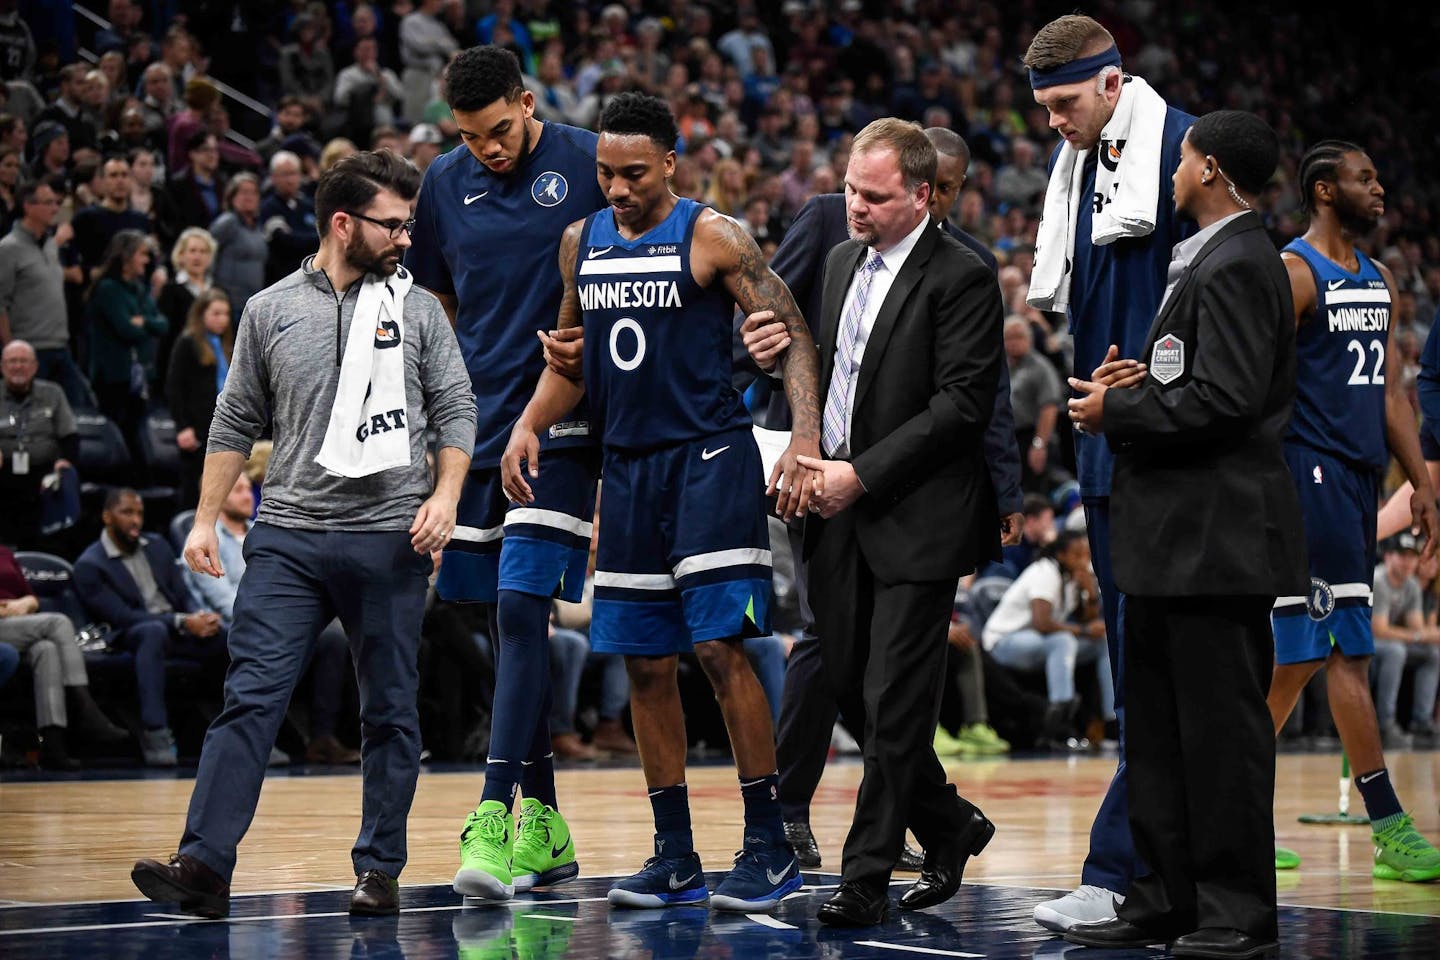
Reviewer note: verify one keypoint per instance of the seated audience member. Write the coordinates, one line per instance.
(191, 258)
(242, 251)
(963, 706)
(327, 664)
(1035, 396)
(1029, 630)
(568, 650)
(1037, 529)
(125, 331)
(132, 582)
(197, 187)
(63, 705)
(1403, 640)
(199, 364)
(288, 218)
(38, 437)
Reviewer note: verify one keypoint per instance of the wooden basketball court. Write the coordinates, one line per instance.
(74, 840)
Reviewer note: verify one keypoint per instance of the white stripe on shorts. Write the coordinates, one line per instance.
(1342, 591)
(550, 518)
(635, 581)
(477, 534)
(739, 557)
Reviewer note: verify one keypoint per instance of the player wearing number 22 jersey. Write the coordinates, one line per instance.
(683, 560)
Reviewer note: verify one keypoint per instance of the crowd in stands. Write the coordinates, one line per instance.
(157, 171)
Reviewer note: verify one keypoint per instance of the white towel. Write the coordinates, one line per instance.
(369, 427)
(1129, 175)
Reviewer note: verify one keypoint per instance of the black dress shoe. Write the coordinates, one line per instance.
(944, 863)
(854, 905)
(377, 894)
(184, 881)
(1221, 942)
(1112, 933)
(802, 843)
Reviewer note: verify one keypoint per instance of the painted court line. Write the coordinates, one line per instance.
(764, 919)
(546, 916)
(928, 951)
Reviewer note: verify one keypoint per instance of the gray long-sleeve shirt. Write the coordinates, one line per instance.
(287, 365)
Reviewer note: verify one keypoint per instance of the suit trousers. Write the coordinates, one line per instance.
(1201, 763)
(883, 646)
(48, 642)
(296, 582)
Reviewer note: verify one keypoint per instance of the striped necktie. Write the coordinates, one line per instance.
(832, 432)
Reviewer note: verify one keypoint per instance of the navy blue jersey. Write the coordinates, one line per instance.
(657, 345)
(1116, 289)
(1340, 361)
(494, 243)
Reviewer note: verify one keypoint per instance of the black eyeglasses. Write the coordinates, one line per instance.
(392, 226)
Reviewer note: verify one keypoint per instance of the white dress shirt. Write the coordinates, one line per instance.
(891, 262)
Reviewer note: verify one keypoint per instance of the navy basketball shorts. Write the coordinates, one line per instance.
(684, 552)
(541, 548)
(1338, 502)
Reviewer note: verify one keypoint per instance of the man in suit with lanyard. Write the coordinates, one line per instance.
(807, 708)
(1207, 532)
(910, 350)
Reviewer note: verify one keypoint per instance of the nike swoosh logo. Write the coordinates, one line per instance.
(1370, 777)
(555, 854)
(676, 883)
(711, 454)
(599, 253)
(469, 199)
(774, 877)
(281, 328)
(1333, 284)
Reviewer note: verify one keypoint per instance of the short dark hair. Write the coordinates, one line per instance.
(479, 76)
(197, 140)
(1036, 504)
(26, 192)
(1320, 163)
(639, 114)
(1245, 146)
(291, 100)
(353, 182)
(948, 143)
(114, 495)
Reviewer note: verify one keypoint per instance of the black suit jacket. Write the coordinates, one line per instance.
(800, 261)
(1202, 501)
(110, 594)
(189, 205)
(923, 397)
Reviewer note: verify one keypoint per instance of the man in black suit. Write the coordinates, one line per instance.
(807, 708)
(910, 349)
(1207, 532)
(133, 583)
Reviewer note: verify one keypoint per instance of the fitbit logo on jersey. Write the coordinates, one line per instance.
(624, 294)
(381, 423)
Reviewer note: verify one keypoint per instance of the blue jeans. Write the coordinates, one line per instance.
(614, 684)
(1059, 653)
(568, 649)
(767, 656)
(296, 582)
(1388, 666)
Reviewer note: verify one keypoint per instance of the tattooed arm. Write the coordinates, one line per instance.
(555, 395)
(733, 255)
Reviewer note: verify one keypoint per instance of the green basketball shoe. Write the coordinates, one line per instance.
(1402, 854)
(1286, 859)
(544, 850)
(485, 846)
(981, 738)
(544, 932)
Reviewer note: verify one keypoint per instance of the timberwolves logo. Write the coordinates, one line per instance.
(549, 189)
(1110, 151)
(387, 334)
(1321, 600)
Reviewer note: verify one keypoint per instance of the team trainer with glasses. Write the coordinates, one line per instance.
(350, 525)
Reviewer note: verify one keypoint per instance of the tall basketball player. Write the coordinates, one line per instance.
(683, 561)
(488, 226)
(1350, 417)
